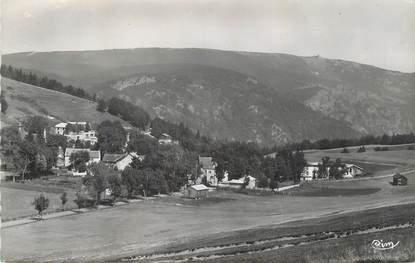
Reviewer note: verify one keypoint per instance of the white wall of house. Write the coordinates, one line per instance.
(309, 173)
(210, 175)
(124, 162)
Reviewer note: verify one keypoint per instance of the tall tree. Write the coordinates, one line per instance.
(79, 160)
(111, 136)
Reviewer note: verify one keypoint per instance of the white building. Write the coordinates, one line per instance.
(238, 183)
(310, 171)
(83, 134)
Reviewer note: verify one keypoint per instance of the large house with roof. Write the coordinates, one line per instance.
(94, 156)
(120, 161)
(81, 131)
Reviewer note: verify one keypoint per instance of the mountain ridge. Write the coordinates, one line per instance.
(363, 99)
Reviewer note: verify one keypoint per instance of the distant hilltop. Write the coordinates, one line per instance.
(262, 97)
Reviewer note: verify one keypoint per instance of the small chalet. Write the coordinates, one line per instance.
(120, 161)
(352, 170)
(94, 156)
(196, 191)
(399, 179)
(207, 166)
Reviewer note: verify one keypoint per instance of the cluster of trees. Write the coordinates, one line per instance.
(76, 128)
(41, 203)
(365, 140)
(44, 82)
(29, 154)
(171, 163)
(127, 111)
(163, 170)
(239, 159)
(111, 137)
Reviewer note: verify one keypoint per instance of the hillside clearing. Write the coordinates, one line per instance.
(25, 99)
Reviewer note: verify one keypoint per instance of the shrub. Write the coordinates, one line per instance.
(361, 149)
(411, 147)
(345, 150)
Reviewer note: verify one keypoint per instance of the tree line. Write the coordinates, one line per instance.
(385, 139)
(42, 81)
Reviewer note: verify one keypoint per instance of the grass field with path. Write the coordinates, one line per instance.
(147, 226)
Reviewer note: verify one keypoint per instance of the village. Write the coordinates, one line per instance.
(83, 159)
(87, 184)
(82, 139)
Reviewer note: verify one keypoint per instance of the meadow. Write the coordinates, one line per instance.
(16, 201)
(171, 223)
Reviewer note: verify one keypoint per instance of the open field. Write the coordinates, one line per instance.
(144, 227)
(24, 99)
(16, 199)
(172, 223)
(313, 239)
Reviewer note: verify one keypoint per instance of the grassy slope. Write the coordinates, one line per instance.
(24, 99)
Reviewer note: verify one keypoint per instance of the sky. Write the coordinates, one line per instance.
(375, 32)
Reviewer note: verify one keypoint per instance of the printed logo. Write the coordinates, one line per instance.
(382, 245)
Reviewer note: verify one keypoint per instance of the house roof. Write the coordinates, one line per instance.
(312, 163)
(70, 151)
(199, 187)
(354, 165)
(92, 154)
(165, 136)
(112, 158)
(206, 162)
(77, 122)
(61, 125)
